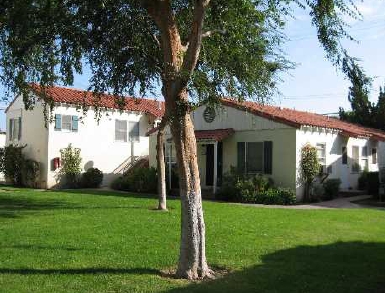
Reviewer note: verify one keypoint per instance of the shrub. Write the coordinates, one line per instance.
(331, 188)
(13, 164)
(30, 173)
(92, 178)
(363, 181)
(229, 190)
(373, 183)
(370, 182)
(142, 180)
(70, 170)
(310, 167)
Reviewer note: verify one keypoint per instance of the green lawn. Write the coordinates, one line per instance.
(107, 242)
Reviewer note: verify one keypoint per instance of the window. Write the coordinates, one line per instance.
(374, 156)
(121, 130)
(355, 159)
(364, 158)
(321, 155)
(255, 157)
(134, 131)
(15, 128)
(344, 155)
(66, 123)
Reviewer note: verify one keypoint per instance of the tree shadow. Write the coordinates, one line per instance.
(337, 267)
(80, 271)
(16, 206)
(13, 207)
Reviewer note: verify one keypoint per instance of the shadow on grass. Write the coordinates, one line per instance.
(84, 271)
(15, 206)
(116, 193)
(339, 267)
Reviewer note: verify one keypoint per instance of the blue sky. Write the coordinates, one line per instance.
(315, 85)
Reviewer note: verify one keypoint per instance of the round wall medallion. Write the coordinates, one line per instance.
(209, 114)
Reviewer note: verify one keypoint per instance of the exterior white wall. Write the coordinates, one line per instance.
(248, 128)
(97, 141)
(33, 134)
(334, 143)
(228, 117)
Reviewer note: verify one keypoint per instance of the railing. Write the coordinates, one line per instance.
(128, 163)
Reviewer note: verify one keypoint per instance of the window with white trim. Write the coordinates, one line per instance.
(364, 158)
(374, 156)
(321, 155)
(134, 130)
(121, 130)
(355, 159)
(14, 128)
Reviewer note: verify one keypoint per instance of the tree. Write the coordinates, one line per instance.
(161, 166)
(198, 50)
(363, 111)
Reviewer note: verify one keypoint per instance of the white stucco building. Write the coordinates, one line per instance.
(110, 144)
(263, 139)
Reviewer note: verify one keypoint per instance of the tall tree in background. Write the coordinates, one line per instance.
(198, 50)
(380, 110)
(362, 108)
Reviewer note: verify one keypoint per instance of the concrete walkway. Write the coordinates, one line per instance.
(341, 202)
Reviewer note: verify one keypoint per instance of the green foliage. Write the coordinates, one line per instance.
(70, 169)
(363, 180)
(30, 173)
(13, 164)
(309, 167)
(142, 180)
(363, 111)
(241, 57)
(370, 182)
(237, 187)
(18, 170)
(332, 188)
(92, 178)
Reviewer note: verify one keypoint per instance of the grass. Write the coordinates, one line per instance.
(87, 241)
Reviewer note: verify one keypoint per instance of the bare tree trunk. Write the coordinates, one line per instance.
(179, 64)
(192, 259)
(161, 166)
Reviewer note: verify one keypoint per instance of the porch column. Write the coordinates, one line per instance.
(215, 167)
(169, 164)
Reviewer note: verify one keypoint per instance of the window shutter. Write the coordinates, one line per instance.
(19, 134)
(75, 123)
(58, 121)
(11, 129)
(268, 157)
(241, 157)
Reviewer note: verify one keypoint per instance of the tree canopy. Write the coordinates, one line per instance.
(47, 41)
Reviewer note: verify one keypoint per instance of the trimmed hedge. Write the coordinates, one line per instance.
(92, 178)
(331, 188)
(142, 180)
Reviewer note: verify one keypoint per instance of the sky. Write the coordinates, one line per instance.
(315, 85)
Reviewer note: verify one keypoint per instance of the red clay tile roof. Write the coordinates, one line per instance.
(299, 118)
(80, 97)
(215, 134)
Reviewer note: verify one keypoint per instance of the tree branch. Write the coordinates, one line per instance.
(195, 41)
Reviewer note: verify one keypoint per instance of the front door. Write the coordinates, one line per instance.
(209, 165)
(344, 176)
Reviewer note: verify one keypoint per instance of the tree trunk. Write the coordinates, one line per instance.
(192, 259)
(161, 168)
